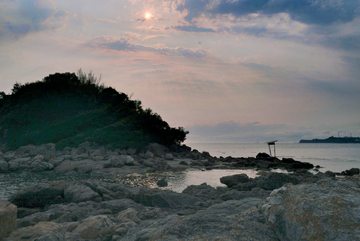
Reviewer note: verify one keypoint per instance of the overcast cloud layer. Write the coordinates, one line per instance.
(227, 71)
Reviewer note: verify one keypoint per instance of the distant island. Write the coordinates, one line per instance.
(334, 140)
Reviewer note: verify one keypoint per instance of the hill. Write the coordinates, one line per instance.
(68, 109)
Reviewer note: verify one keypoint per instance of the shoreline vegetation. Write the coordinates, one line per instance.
(70, 124)
(68, 109)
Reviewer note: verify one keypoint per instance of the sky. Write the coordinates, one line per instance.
(225, 70)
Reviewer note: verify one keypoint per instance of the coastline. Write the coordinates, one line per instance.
(101, 209)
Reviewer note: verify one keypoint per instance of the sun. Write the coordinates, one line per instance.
(147, 15)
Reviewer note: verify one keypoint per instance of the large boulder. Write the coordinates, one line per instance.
(3, 166)
(268, 182)
(326, 210)
(41, 231)
(234, 179)
(19, 163)
(39, 195)
(204, 191)
(24, 151)
(117, 161)
(164, 199)
(232, 220)
(157, 149)
(119, 205)
(275, 180)
(8, 214)
(80, 193)
(95, 227)
(83, 166)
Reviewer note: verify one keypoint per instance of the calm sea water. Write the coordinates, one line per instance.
(333, 157)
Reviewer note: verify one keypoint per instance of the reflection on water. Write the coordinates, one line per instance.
(178, 181)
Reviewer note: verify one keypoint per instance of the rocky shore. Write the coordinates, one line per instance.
(273, 206)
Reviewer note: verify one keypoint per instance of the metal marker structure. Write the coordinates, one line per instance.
(272, 143)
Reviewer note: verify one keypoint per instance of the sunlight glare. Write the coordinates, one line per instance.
(147, 15)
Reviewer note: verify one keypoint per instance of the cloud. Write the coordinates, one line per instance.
(194, 29)
(345, 89)
(193, 8)
(349, 42)
(19, 18)
(318, 12)
(123, 44)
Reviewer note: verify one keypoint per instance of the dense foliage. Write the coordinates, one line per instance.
(68, 109)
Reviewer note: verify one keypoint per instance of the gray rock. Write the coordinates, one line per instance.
(192, 155)
(98, 152)
(234, 179)
(25, 151)
(39, 195)
(326, 210)
(80, 193)
(165, 199)
(183, 163)
(131, 151)
(79, 151)
(19, 163)
(218, 223)
(128, 160)
(352, 172)
(169, 157)
(149, 155)
(204, 191)
(128, 214)
(117, 161)
(269, 182)
(95, 227)
(8, 214)
(157, 149)
(40, 231)
(119, 205)
(9, 156)
(56, 161)
(62, 213)
(49, 156)
(148, 163)
(3, 166)
(162, 182)
(83, 166)
(233, 206)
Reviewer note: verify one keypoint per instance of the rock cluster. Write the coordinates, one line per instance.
(273, 206)
(86, 158)
(326, 209)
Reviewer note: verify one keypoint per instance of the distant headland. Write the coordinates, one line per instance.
(333, 139)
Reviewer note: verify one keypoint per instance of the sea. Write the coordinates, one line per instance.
(330, 157)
